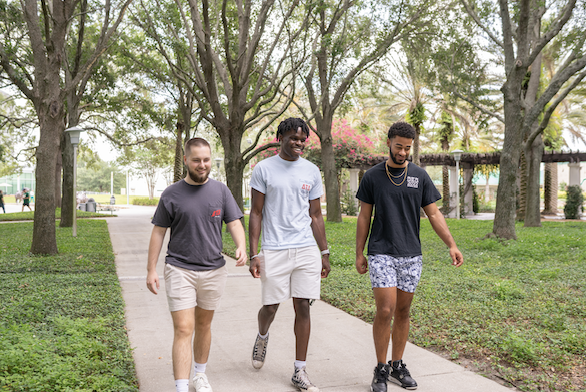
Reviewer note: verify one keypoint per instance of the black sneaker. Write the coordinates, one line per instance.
(379, 381)
(401, 376)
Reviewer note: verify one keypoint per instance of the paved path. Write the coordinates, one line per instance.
(341, 353)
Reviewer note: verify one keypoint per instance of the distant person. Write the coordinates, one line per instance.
(195, 270)
(397, 190)
(286, 191)
(2, 201)
(26, 199)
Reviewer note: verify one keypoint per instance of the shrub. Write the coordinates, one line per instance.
(574, 202)
(145, 201)
(349, 203)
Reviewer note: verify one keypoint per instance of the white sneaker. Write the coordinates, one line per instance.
(201, 384)
(300, 380)
(259, 351)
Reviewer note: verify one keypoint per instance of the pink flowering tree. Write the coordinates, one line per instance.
(351, 147)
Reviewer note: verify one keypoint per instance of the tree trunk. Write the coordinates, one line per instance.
(550, 188)
(233, 163)
(521, 201)
(532, 208)
(68, 200)
(44, 240)
(446, 189)
(333, 208)
(416, 145)
(178, 166)
(58, 168)
(504, 218)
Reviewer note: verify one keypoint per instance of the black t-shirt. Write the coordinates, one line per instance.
(195, 214)
(395, 230)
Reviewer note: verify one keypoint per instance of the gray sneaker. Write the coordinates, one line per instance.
(300, 380)
(200, 383)
(259, 351)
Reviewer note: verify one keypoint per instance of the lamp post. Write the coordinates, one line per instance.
(457, 156)
(218, 164)
(74, 133)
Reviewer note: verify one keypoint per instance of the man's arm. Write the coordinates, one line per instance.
(237, 232)
(155, 245)
(362, 230)
(254, 226)
(440, 226)
(319, 233)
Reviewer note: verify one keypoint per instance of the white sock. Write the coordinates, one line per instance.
(199, 367)
(300, 364)
(263, 336)
(182, 385)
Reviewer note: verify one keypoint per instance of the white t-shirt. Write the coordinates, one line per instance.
(288, 187)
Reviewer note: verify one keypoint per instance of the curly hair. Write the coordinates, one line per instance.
(401, 129)
(292, 124)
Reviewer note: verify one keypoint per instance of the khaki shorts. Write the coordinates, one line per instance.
(187, 289)
(290, 273)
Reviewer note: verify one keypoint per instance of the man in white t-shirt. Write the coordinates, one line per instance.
(286, 191)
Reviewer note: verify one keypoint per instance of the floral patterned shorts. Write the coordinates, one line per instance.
(400, 272)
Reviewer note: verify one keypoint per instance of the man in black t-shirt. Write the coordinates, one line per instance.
(398, 189)
(195, 272)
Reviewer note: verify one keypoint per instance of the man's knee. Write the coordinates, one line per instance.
(270, 310)
(301, 307)
(385, 313)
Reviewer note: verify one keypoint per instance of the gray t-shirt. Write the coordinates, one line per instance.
(195, 214)
(288, 187)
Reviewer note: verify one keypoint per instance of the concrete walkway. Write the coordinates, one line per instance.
(341, 353)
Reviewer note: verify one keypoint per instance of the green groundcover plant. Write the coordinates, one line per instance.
(30, 215)
(514, 311)
(62, 325)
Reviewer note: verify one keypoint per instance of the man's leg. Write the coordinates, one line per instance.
(203, 335)
(386, 301)
(302, 327)
(266, 315)
(183, 326)
(401, 323)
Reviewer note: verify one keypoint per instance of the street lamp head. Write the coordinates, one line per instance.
(219, 162)
(457, 155)
(74, 133)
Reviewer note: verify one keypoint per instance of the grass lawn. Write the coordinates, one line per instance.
(514, 311)
(30, 215)
(62, 325)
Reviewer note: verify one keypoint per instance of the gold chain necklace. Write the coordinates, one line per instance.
(399, 176)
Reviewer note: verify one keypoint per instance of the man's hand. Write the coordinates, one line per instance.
(240, 257)
(325, 265)
(361, 264)
(457, 258)
(153, 282)
(255, 267)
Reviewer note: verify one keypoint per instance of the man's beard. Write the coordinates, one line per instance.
(197, 178)
(394, 159)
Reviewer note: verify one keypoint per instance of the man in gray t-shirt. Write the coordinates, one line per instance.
(195, 272)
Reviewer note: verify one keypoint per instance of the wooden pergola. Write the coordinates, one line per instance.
(467, 163)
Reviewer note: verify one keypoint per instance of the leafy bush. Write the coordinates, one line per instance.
(145, 201)
(574, 201)
(348, 203)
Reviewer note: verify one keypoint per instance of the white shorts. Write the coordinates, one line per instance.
(290, 273)
(187, 289)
